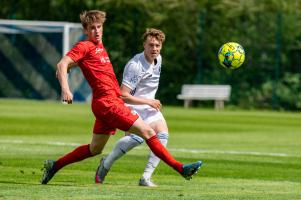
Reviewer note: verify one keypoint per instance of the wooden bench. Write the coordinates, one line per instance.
(218, 93)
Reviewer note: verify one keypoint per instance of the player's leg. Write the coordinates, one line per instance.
(137, 125)
(128, 142)
(146, 132)
(102, 133)
(80, 153)
(98, 142)
(161, 129)
(123, 145)
(121, 117)
(51, 166)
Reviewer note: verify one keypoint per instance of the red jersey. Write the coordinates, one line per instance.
(96, 66)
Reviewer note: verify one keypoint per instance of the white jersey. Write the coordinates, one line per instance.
(143, 79)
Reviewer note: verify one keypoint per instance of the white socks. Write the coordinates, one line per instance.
(123, 145)
(153, 160)
(127, 143)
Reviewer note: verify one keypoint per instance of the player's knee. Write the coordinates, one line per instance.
(148, 132)
(95, 149)
(142, 129)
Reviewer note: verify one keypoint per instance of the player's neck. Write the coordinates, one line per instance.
(148, 59)
(96, 42)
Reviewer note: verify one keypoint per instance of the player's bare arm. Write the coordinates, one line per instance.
(70, 66)
(62, 70)
(130, 99)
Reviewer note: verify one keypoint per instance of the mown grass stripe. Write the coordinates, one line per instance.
(183, 150)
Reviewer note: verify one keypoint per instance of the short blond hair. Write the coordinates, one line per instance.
(156, 33)
(92, 16)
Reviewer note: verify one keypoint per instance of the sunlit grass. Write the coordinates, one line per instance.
(246, 154)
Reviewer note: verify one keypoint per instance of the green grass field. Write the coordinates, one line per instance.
(246, 155)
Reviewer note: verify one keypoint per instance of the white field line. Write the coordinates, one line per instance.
(39, 143)
(194, 151)
(204, 151)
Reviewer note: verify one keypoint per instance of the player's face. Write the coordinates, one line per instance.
(94, 32)
(152, 48)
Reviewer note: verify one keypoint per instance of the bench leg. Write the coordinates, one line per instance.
(187, 103)
(219, 105)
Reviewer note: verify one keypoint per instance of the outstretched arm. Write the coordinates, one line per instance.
(62, 69)
(130, 99)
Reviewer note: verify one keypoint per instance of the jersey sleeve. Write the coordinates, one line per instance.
(131, 75)
(77, 52)
(159, 60)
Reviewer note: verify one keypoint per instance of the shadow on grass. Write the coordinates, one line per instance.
(28, 183)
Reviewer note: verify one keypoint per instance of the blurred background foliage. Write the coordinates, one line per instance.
(269, 30)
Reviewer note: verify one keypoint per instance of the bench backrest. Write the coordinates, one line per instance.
(206, 92)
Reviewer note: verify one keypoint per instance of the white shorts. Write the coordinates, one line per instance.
(148, 114)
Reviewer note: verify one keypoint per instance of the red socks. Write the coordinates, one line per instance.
(83, 152)
(78, 154)
(159, 150)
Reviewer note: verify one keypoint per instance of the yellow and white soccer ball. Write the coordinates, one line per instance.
(231, 55)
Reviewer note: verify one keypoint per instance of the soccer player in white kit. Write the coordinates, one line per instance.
(139, 86)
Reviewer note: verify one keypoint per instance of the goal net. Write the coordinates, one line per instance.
(29, 52)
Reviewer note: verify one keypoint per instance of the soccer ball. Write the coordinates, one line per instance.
(231, 55)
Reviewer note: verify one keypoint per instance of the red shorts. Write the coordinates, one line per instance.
(111, 113)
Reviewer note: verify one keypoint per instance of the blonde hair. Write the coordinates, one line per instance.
(92, 16)
(156, 33)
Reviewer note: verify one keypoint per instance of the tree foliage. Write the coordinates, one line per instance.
(269, 30)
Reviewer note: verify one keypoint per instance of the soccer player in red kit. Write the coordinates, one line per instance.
(107, 106)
